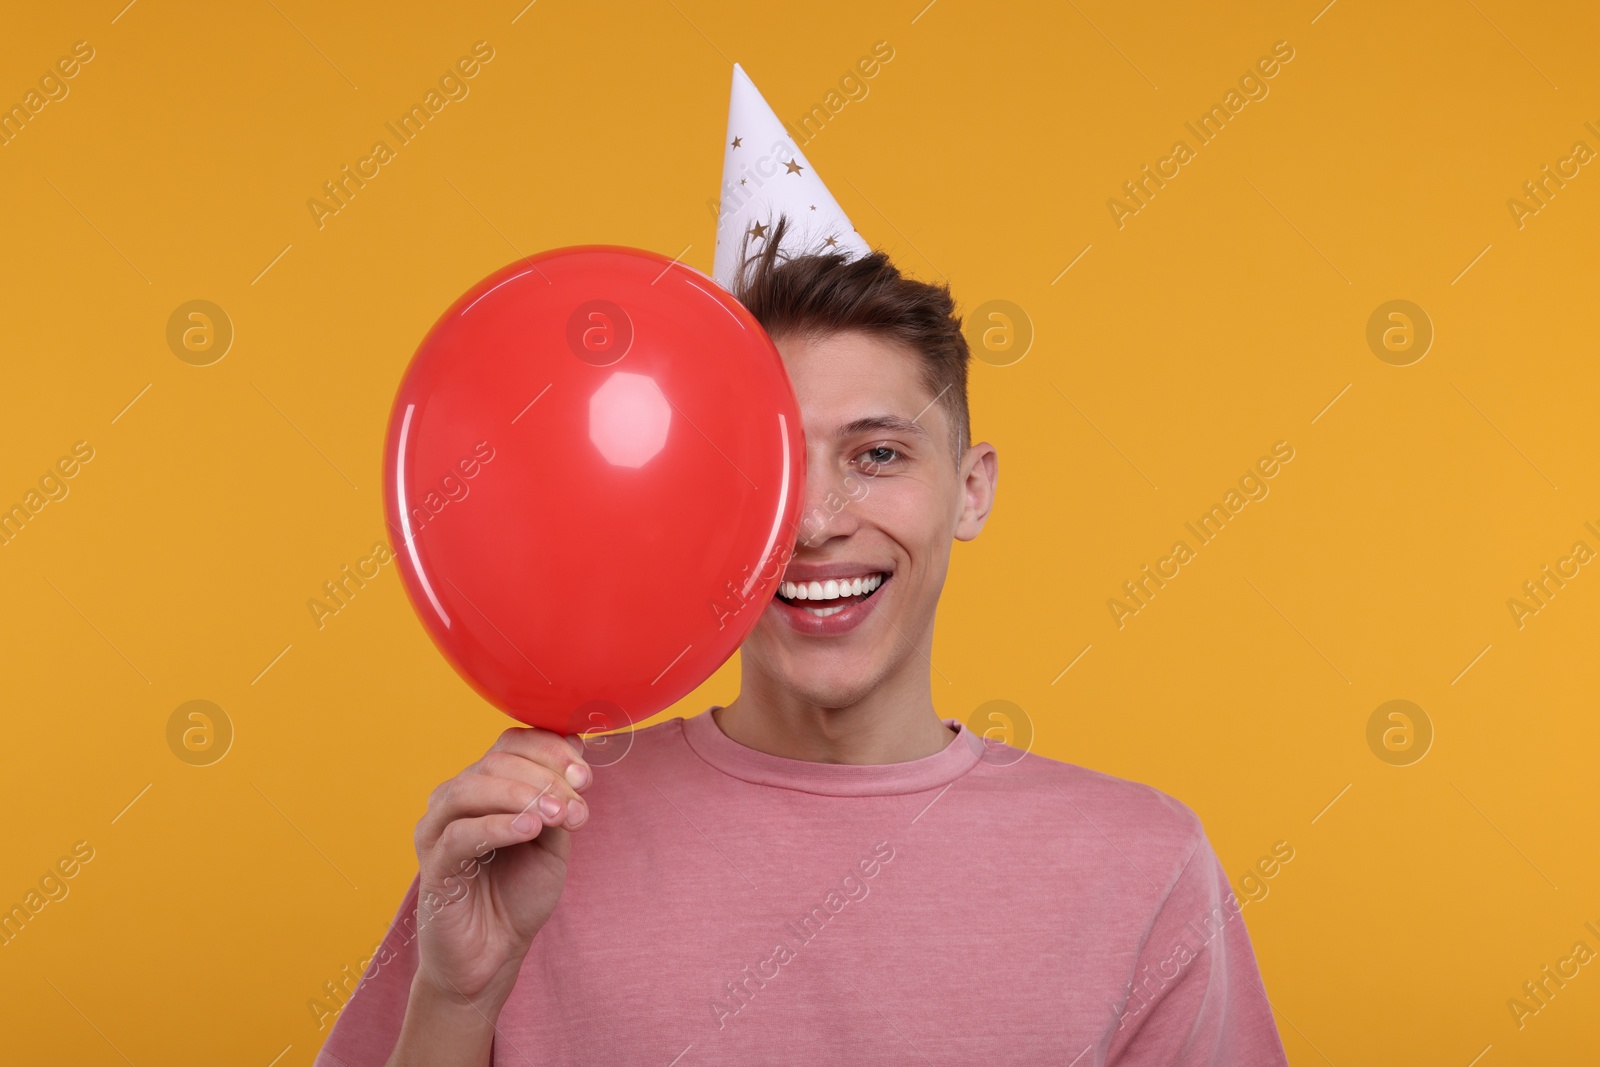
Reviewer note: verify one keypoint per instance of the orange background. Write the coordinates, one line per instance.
(1228, 314)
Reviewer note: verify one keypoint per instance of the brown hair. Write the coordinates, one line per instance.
(816, 294)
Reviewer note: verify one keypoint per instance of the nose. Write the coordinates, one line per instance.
(831, 494)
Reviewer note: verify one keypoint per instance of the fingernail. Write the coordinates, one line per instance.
(550, 806)
(577, 775)
(577, 812)
(523, 823)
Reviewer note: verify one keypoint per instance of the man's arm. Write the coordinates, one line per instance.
(1196, 998)
(442, 1030)
(492, 853)
(370, 1021)
(401, 1016)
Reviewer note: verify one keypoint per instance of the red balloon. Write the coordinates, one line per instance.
(593, 475)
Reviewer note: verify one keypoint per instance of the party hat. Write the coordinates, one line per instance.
(764, 174)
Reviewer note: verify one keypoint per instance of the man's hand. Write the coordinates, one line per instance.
(492, 854)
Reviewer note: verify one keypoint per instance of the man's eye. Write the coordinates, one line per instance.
(880, 456)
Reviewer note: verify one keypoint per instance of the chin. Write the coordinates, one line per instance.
(822, 674)
(832, 694)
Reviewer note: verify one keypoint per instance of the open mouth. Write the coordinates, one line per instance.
(832, 596)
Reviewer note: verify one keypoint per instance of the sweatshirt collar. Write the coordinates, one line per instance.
(708, 741)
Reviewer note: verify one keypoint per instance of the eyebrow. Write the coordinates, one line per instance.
(883, 423)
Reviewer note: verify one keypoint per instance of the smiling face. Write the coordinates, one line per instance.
(885, 496)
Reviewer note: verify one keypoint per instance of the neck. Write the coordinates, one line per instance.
(895, 723)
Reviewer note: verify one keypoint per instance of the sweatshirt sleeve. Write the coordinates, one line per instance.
(374, 1001)
(1196, 998)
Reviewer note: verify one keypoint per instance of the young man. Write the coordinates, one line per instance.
(825, 871)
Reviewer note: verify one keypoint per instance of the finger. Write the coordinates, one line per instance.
(474, 793)
(525, 788)
(549, 749)
(512, 765)
(468, 844)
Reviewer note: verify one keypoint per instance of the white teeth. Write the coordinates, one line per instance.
(832, 589)
(823, 613)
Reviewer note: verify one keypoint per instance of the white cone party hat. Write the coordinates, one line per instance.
(765, 174)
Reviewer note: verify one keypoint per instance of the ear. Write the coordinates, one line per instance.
(980, 474)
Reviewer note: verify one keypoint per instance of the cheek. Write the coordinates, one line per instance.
(914, 514)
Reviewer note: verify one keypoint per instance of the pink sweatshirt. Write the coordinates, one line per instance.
(727, 906)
